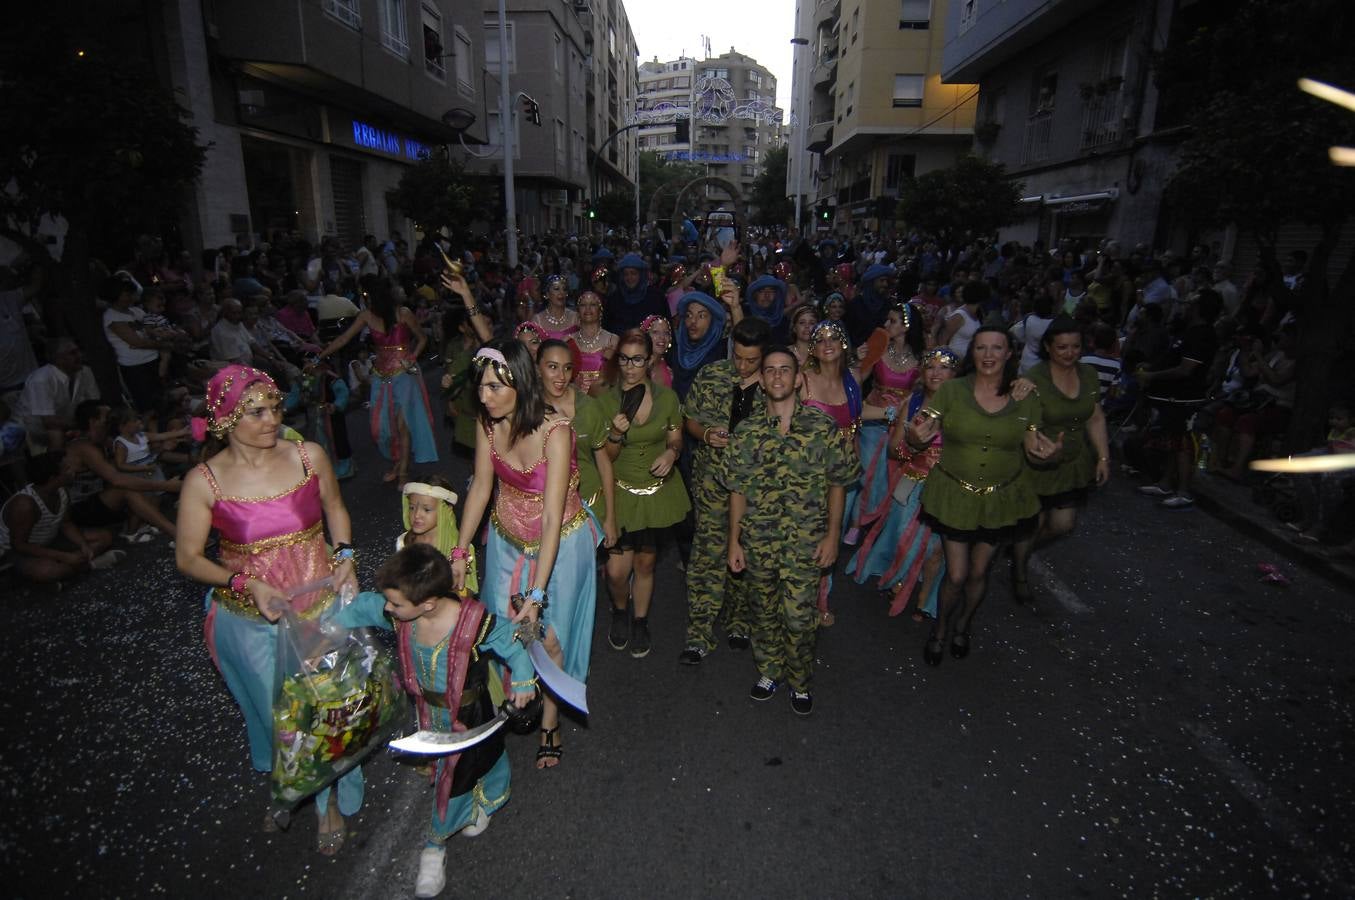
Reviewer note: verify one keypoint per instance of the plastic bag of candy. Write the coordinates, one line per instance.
(338, 699)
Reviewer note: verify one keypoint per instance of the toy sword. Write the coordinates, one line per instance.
(561, 683)
(443, 743)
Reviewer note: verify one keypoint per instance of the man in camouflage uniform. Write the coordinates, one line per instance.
(724, 393)
(787, 470)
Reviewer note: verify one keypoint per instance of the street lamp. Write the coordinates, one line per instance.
(800, 145)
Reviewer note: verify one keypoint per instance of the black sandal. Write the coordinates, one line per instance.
(959, 644)
(550, 749)
(1021, 590)
(934, 650)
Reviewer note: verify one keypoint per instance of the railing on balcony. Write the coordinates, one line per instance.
(1102, 122)
(1039, 134)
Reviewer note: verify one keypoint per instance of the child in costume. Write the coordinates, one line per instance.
(430, 518)
(445, 642)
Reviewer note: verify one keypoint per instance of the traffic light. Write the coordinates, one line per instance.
(531, 110)
(592, 213)
(684, 131)
(823, 211)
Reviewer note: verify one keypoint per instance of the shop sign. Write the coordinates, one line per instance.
(373, 138)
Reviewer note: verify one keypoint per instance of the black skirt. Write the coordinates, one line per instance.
(1018, 530)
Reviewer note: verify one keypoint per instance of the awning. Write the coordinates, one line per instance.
(1095, 197)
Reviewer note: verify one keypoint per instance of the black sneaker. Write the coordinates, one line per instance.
(639, 638)
(692, 656)
(737, 641)
(802, 702)
(764, 689)
(618, 636)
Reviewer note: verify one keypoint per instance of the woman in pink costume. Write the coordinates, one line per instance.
(270, 501)
(557, 320)
(893, 377)
(593, 344)
(402, 418)
(542, 543)
(531, 336)
(661, 336)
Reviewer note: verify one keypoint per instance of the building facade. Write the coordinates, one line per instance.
(734, 119)
(1069, 106)
(611, 96)
(878, 112)
(315, 109)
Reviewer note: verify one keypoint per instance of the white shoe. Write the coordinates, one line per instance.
(107, 559)
(432, 872)
(478, 824)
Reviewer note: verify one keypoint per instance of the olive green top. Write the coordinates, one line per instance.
(1076, 465)
(591, 430)
(457, 358)
(642, 500)
(982, 479)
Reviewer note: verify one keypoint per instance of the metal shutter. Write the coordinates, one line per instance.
(345, 179)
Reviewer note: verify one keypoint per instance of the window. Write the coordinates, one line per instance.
(492, 46)
(681, 82)
(558, 57)
(432, 43)
(755, 79)
(561, 148)
(969, 11)
(1044, 90)
(394, 30)
(908, 90)
(856, 20)
(462, 56)
(915, 14)
(611, 40)
(346, 11)
(899, 167)
(495, 138)
(749, 172)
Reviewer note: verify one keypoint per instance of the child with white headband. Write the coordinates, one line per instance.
(430, 518)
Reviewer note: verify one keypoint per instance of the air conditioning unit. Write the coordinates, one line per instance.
(558, 197)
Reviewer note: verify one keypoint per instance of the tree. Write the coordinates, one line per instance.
(1256, 156)
(770, 204)
(92, 138)
(437, 193)
(616, 209)
(657, 173)
(973, 196)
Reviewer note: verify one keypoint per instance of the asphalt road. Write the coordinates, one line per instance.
(1167, 725)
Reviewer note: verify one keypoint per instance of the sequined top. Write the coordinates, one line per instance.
(279, 540)
(521, 494)
(394, 350)
(891, 388)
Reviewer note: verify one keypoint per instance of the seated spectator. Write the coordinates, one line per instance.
(1321, 494)
(46, 405)
(1263, 411)
(294, 315)
(103, 497)
(37, 529)
(1104, 360)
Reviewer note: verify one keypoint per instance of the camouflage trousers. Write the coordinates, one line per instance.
(783, 587)
(711, 587)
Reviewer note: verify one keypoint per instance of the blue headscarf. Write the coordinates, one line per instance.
(771, 316)
(691, 357)
(637, 294)
(874, 300)
(600, 254)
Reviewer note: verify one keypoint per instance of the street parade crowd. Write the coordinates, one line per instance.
(777, 410)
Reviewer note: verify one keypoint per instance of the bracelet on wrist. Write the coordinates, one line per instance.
(239, 582)
(615, 438)
(537, 596)
(343, 553)
(705, 436)
(459, 553)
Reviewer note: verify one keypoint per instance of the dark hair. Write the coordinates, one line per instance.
(752, 332)
(553, 344)
(976, 292)
(611, 369)
(1043, 305)
(419, 572)
(42, 469)
(1209, 303)
(781, 348)
(1103, 336)
(381, 303)
(530, 410)
(1062, 324)
(1008, 372)
(87, 412)
(119, 415)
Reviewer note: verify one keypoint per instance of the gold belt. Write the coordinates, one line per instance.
(974, 488)
(642, 491)
(271, 543)
(533, 546)
(241, 605)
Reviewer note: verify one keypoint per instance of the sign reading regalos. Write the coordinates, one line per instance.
(365, 135)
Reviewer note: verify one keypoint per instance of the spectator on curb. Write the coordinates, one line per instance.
(35, 518)
(46, 406)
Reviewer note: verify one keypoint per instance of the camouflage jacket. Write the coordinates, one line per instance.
(709, 401)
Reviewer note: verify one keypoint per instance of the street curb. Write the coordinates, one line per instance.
(1340, 576)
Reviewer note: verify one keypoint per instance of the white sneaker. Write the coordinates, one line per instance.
(1155, 490)
(432, 876)
(478, 824)
(1180, 501)
(107, 559)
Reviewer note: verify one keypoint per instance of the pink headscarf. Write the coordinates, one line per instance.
(224, 393)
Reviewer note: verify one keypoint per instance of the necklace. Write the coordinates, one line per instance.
(550, 318)
(900, 360)
(593, 343)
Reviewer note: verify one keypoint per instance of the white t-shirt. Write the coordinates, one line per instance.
(51, 392)
(1031, 331)
(232, 342)
(960, 340)
(127, 354)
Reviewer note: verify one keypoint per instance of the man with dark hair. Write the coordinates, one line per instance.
(724, 393)
(1177, 390)
(786, 469)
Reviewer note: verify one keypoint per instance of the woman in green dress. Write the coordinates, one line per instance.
(1069, 397)
(980, 493)
(644, 442)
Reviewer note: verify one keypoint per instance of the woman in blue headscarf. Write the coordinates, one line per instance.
(634, 298)
(700, 337)
(866, 311)
(766, 299)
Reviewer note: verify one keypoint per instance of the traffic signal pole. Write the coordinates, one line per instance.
(510, 215)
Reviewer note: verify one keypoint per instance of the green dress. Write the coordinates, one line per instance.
(457, 363)
(1075, 468)
(643, 501)
(590, 429)
(982, 481)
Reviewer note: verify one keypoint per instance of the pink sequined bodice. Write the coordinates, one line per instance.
(244, 521)
(394, 350)
(840, 413)
(590, 370)
(661, 374)
(891, 388)
(518, 501)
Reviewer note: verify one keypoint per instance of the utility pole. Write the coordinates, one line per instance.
(506, 112)
(801, 46)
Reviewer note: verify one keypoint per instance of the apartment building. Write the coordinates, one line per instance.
(611, 95)
(878, 111)
(314, 108)
(735, 119)
(1068, 104)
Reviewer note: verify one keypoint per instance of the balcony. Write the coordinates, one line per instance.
(826, 12)
(825, 72)
(1039, 137)
(1102, 121)
(820, 137)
